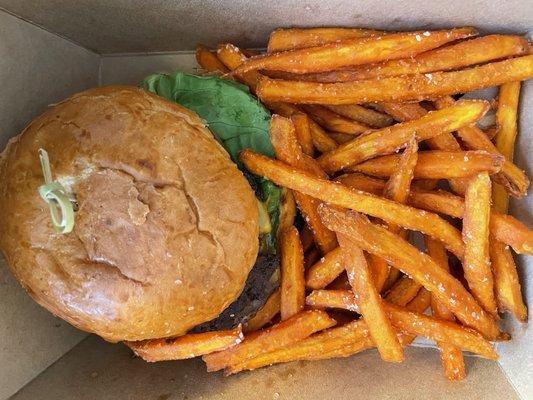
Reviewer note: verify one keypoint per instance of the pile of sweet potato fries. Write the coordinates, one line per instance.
(372, 144)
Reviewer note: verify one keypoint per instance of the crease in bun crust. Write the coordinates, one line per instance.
(166, 231)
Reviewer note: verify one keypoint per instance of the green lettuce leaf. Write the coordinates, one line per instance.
(272, 198)
(236, 118)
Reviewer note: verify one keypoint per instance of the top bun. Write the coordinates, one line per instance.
(167, 226)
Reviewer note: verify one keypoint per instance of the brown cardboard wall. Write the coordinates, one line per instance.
(125, 26)
(516, 357)
(98, 370)
(36, 68)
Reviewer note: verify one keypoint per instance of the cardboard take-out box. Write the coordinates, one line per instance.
(51, 49)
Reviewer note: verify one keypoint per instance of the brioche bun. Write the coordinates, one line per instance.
(167, 228)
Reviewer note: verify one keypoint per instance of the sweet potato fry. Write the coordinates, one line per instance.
(297, 38)
(446, 141)
(402, 255)
(343, 341)
(329, 267)
(397, 189)
(506, 284)
(436, 164)
(186, 346)
(265, 314)
(451, 356)
(288, 210)
(306, 237)
(341, 283)
(511, 177)
(357, 51)
(286, 332)
(367, 116)
(231, 56)
(362, 182)
(292, 274)
(424, 184)
(491, 131)
(399, 88)
(506, 281)
(333, 121)
(340, 138)
(456, 56)
(209, 61)
(451, 57)
(251, 52)
(410, 322)
(288, 150)
(379, 270)
(338, 75)
(403, 291)
(394, 275)
(311, 257)
(402, 112)
(321, 140)
(343, 299)
(504, 228)
(421, 302)
(339, 195)
(436, 251)
(325, 270)
(398, 186)
(441, 331)
(303, 132)
(340, 341)
(476, 262)
(369, 301)
(506, 120)
(388, 140)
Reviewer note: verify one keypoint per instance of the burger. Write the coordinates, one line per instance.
(137, 223)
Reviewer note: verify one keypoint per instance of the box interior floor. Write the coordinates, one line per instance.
(45, 56)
